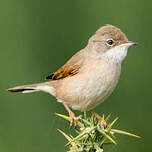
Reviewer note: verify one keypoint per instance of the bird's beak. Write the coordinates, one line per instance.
(130, 43)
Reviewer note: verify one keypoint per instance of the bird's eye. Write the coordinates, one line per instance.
(110, 42)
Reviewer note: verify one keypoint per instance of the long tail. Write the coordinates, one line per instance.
(33, 87)
(24, 88)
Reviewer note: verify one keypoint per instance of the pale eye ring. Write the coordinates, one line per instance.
(110, 42)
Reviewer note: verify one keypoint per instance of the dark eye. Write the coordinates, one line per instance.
(110, 42)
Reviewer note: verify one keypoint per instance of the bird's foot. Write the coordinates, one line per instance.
(104, 123)
(73, 118)
(99, 118)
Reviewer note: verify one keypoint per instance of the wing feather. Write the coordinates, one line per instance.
(70, 68)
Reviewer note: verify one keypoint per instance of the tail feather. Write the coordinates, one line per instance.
(46, 87)
(24, 89)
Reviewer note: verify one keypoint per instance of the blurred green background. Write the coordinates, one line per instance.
(37, 37)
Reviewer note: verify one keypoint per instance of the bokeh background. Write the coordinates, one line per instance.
(37, 37)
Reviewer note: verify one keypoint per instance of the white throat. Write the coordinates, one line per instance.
(117, 54)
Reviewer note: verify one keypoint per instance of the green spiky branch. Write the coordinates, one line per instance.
(91, 135)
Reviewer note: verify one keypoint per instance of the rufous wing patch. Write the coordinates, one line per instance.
(71, 68)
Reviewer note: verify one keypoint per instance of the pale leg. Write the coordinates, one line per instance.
(73, 118)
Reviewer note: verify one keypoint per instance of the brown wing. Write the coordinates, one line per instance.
(71, 67)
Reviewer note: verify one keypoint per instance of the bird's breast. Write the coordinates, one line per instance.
(91, 86)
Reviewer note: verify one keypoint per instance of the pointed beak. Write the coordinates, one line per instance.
(130, 43)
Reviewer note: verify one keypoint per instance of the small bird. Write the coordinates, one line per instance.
(90, 76)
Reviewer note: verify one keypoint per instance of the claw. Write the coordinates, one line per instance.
(104, 124)
(74, 119)
(99, 118)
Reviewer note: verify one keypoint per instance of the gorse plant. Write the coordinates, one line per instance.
(91, 135)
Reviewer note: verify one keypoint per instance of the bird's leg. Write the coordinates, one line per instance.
(99, 118)
(73, 118)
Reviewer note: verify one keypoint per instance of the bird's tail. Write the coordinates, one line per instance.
(33, 87)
